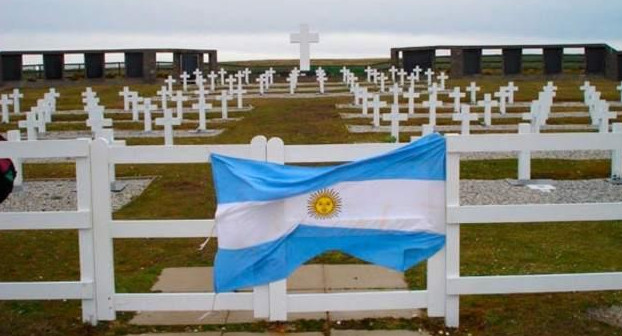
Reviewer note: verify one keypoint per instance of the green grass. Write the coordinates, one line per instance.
(486, 249)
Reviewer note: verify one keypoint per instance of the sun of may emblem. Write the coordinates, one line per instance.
(324, 204)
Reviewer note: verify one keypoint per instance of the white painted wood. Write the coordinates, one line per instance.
(357, 301)
(524, 156)
(334, 153)
(183, 301)
(102, 217)
(15, 136)
(452, 236)
(533, 213)
(45, 149)
(552, 283)
(174, 154)
(162, 228)
(86, 239)
(534, 142)
(54, 220)
(43, 290)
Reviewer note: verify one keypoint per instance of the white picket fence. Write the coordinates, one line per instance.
(97, 229)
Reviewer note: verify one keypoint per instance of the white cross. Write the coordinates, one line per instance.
(344, 73)
(619, 88)
(511, 89)
(395, 117)
(197, 72)
(230, 80)
(488, 104)
(395, 90)
(443, 77)
(51, 97)
(321, 78)
(369, 71)
(304, 38)
(184, 80)
(357, 94)
(147, 109)
(261, 80)
(376, 105)
(270, 73)
(586, 88)
(163, 96)
(550, 86)
(465, 117)
(224, 97)
(375, 74)
(126, 94)
(382, 78)
(293, 80)
(402, 73)
(201, 105)
(502, 94)
(212, 80)
(96, 120)
(411, 95)
(246, 73)
(473, 88)
(239, 76)
(135, 99)
(432, 104)
(364, 100)
(16, 96)
(179, 99)
(169, 84)
(412, 78)
(5, 102)
(44, 113)
(417, 71)
(603, 116)
(222, 72)
(352, 79)
(429, 73)
(456, 95)
(535, 116)
(168, 122)
(30, 125)
(238, 92)
(393, 71)
(200, 82)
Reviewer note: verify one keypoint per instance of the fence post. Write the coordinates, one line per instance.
(14, 135)
(616, 155)
(102, 216)
(452, 244)
(261, 294)
(524, 156)
(86, 240)
(275, 152)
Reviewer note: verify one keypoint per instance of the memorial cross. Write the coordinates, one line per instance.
(395, 117)
(126, 94)
(305, 38)
(201, 106)
(246, 73)
(163, 96)
(511, 89)
(473, 88)
(429, 73)
(222, 72)
(184, 80)
(30, 124)
(376, 105)
(5, 102)
(465, 117)
(395, 90)
(212, 80)
(393, 71)
(224, 97)
(16, 96)
(488, 104)
(411, 95)
(402, 73)
(443, 77)
(169, 84)
(179, 100)
(456, 95)
(167, 121)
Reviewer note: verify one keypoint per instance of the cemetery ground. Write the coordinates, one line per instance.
(185, 192)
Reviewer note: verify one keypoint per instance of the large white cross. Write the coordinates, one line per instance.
(212, 80)
(163, 96)
(5, 102)
(395, 117)
(473, 88)
(246, 73)
(429, 73)
(179, 99)
(126, 94)
(465, 117)
(147, 109)
(202, 106)
(168, 122)
(222, 72)
(395, 90)
(184, 81)
(442, 77)
(376, 105)
(304, 38)
(411, 95)
(511, 89)
(30, 124)
(456, 95)
(169, 84)
(393, 71)
(488, 104)
(224, 97)
(16, 96)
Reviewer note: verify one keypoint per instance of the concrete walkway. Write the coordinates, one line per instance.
(307, 279)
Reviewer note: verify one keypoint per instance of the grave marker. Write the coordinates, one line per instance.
(401, 73)
(465, 117)
(222, 72)
(30, 124)
(417, 71)
(201, 106)
(135, 100)
(502, 94)
(184, 81)
(511, 89)
(163, 96)
(212, 80)
(96, 120)
(433, 103)
(224, 97)
(261, 80)
(167, 121)
(4, 103)
(456, 95)
(429, 73)
(443, 77)
(395, 90)
(230, 80)
(395, 117)
(376, 105)
(364, 100)
(169, 84)
(239, 92)
(411, 95)
(16, 96)
(179, 100)
(369, 71)
(147, 109)
(393, 71)
(382, 78)
(473, 88)
(321, 78)
(619, 88)
(246, 73)
(126, 94)
(488, 103)
(305, 38)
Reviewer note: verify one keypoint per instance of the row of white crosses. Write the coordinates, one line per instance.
(10, 99)
(293, 80)
(40, 115)
(96, 120)
(598, 108)
(540, 109)
(265, 80)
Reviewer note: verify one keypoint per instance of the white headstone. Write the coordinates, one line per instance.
(369, 71)
(603, 117)
(293, 80)
(305, 38)
(465, 117)
(488, 104)
(230, 80)
(197, 73)
(224, 97)
(402, 73)
(202, 106)
(321, 79)
(417, 71)
(246, 73)
(344, 74)
(96, 120)
(135, 100)
(395, 117)
(473, 88)
(457, 95)
(271, 72)
(163, 97)
(261, 80)
(239, 92)
(168, 122)
(433, 103)
(411, 95)
(502, 94)
(393, 71)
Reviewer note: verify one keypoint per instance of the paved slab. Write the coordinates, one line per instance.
(377, 333)
(185, 280)
(362, 277)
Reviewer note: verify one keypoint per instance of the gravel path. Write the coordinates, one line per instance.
(60, 195)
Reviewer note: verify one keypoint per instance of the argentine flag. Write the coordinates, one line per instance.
(271, 218)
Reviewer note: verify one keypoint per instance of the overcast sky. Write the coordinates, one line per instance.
(259, 29)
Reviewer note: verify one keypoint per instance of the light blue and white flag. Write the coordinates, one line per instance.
(271, 218)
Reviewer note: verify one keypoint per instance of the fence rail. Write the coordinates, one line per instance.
(97, 230)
